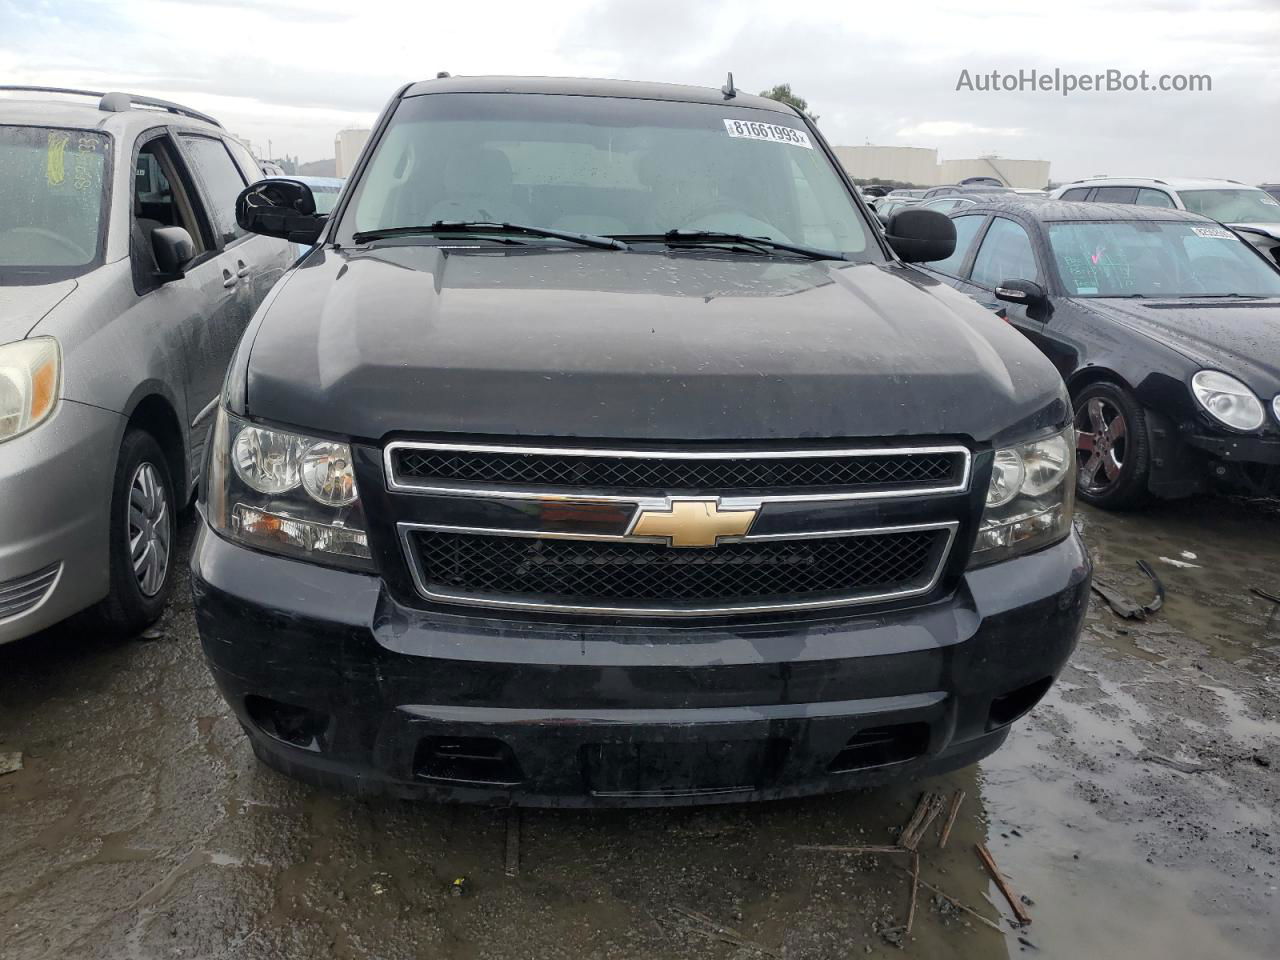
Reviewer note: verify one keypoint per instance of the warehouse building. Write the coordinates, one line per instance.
(920, 165)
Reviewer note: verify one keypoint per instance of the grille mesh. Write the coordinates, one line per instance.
(892, 471)
(569, 571)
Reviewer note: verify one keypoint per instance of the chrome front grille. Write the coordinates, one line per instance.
(21, 594)
(674, 532)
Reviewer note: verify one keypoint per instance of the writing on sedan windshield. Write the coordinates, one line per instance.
(1158, 259)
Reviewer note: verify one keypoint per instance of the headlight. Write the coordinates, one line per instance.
(29, 373)
(1030, 498)
(1275, 407)
(285, 493)
(1228, 400)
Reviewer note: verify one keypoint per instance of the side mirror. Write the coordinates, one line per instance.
(173, 249)
(1025, 293)
(921, 236)
(279, 207)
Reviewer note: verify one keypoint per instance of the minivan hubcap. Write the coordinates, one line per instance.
(1100, 445)
(149, 532)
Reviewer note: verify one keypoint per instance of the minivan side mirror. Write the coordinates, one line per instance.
(921, 236)
(280, 207)
(174, 250)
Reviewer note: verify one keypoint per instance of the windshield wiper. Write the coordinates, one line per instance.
(718, 238)
(488, 226)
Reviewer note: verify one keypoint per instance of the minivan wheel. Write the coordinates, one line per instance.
(1112, 449)
(142, 537)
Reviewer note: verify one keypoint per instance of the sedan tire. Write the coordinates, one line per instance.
(1113, 449)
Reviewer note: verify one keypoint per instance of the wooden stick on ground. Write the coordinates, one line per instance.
(915, 891)
(989, 862)
(957, 798)
(960, 906)
(513, 842)
(910, 837)
(917, 815)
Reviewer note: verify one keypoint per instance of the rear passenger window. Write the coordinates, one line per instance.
(1116, 195)
(1005, 254)
(221, 180)
(966, 230)
(1076, 193)
(1154, 198)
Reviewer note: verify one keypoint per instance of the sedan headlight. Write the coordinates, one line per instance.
(1030, 499)
(1275, 407)
(285, 493)
(29, 374)
(1228, 400)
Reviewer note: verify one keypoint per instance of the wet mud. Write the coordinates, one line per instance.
(1135, 810)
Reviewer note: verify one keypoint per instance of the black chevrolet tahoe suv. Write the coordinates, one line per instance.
(605, 450)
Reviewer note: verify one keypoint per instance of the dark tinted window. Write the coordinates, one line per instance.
(1076, 193)
(966, 230)
(1154, 198)
(1115, 195)
(1005, 254)
(221, 180)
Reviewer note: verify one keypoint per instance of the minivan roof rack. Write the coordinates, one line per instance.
(117, 102)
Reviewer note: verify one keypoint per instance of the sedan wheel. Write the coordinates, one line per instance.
(1101, 440)
(149, 529)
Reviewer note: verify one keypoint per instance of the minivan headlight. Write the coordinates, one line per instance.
(29, 380)
(285, 493)
(1228, 400)
(1030, 499)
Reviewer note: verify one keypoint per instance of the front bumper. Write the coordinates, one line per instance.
(1238, 449)
(338, 683)
(55, 512)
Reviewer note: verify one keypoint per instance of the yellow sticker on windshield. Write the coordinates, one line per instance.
(55, 169)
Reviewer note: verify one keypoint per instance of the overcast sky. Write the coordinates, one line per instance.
(293, 72)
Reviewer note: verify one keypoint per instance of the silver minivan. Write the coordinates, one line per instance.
(125, 284)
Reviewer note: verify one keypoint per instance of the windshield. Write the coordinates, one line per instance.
(1158, 259)
(51, 201)
(1242, 205)
(605, 166)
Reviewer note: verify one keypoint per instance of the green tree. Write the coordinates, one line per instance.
(782, 93)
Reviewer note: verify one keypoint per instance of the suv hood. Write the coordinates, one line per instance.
(660, 346)
(1240, 337)
(23, 306)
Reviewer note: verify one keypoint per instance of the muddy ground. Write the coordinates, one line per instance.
(140, 825)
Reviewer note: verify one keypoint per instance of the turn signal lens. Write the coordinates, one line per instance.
(29, 376)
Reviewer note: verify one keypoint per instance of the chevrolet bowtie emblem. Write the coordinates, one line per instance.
(693, 523)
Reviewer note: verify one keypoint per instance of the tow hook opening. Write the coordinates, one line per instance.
(1011, 706)
(485, 760)
(287, 722)
(877, 746)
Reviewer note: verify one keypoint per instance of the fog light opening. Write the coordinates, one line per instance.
(291, 724)
(1011, 706)
(877, 746)
(474, 760)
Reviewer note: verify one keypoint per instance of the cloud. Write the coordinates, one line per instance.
(956, 128)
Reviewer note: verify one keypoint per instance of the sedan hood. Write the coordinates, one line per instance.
(1272, 230)
(1240, 337)
(23, 306)
(659, 346)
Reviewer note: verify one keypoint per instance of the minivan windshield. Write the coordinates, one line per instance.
(1158, 259)
(605, 166)
(51, 201)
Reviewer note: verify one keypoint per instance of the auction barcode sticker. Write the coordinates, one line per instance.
(1216, 233)
(774, 133)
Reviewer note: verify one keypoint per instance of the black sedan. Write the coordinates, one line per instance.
(1165, 326)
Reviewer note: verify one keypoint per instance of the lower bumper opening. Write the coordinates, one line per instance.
(294, 725)
(877, 746)
(467, 760)
(1011, 706)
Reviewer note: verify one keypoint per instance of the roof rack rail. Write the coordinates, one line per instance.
(117, 102)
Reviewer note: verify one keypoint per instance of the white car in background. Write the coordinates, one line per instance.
(1254, 212)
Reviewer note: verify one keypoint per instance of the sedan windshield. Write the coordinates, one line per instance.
(1158, 259)
(51, 200)
(606, 166)
(1243, 205)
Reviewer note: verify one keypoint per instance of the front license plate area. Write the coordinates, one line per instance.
(680, 769)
